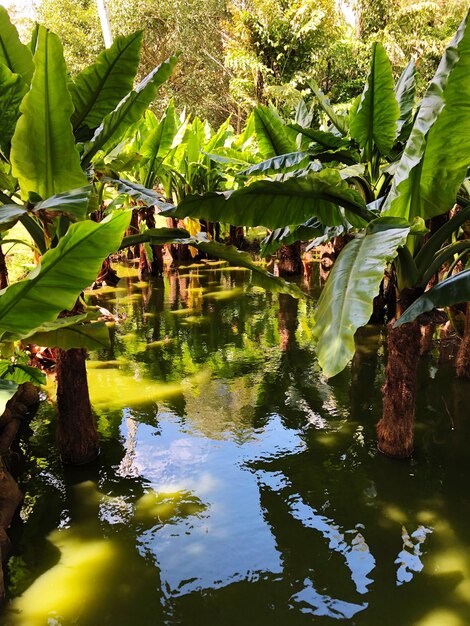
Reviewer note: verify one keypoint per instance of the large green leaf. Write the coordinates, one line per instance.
(128, 111)
(98, 89)
(290, 234)
(73, 203)
(446, 293)
(158, 144)
(271, 134)
(339, 121)
(94, 336)
(282, 162)
(20, 373)
(62, 275)
(346, 301)
(437, 153)
(15, 55)
(375, 121)
(149, 197)
(10, 214)
(157, 237)
(43, 153)
(12, 90)
(276, 204)
(327, 140)
(405, 92)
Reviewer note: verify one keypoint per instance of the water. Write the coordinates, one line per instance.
(236, 485)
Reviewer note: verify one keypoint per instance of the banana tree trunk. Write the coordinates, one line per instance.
(290, 260)
(3, 270)
(77, 437)
(395, 430)
(462, 362)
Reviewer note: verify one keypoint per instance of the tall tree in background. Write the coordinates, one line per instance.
(194, 28)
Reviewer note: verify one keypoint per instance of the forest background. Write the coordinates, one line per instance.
(239, 53)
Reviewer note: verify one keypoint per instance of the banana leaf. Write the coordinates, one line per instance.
(281, 162)
(64, 272)
(157, 237)
(276, 204)
(72, 203)
(346, 301)
(324, 139)
(15, 55)
(94, 336)
(437, 156)
(450, 291)
(271, 134)
(290, 234)
(128, 111)
(149, 197)
(20, 373)
(158, 144)
(339, 121)
(405, 92)
(98, 89)
(374, 123)
(12, 91)
(43, 153)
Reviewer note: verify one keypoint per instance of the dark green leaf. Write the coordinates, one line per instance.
(450, 291)
(149, 197)
(405, 92)
(43, 153)
(15, 55)
(437, 156)
(375, 121)
(271, 135)
(282, 162)
(98, 89)
(12, 90)
(61, 276)
(94, 336)
(275, 204)
(289, 235)
(128, 111)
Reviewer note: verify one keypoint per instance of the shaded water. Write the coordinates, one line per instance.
(236, 485)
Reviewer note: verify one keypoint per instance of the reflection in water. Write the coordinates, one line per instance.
(252, 493)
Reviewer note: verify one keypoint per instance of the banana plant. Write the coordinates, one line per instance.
(426, 182)
(54, 132)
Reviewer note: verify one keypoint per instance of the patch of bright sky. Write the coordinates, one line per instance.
(24, 7)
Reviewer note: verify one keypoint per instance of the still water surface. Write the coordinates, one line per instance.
(236, 485)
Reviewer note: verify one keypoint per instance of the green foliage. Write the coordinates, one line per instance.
(449, 292)
(63, 273)
(346, 301)
(98, 89)
(436, 157)
(275, 204)
(374, 123)
(43, 153)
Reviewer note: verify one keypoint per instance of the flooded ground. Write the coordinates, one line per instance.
(236, 485)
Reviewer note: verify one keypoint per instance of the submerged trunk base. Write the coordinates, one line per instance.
(395, 429)
(77, 437)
